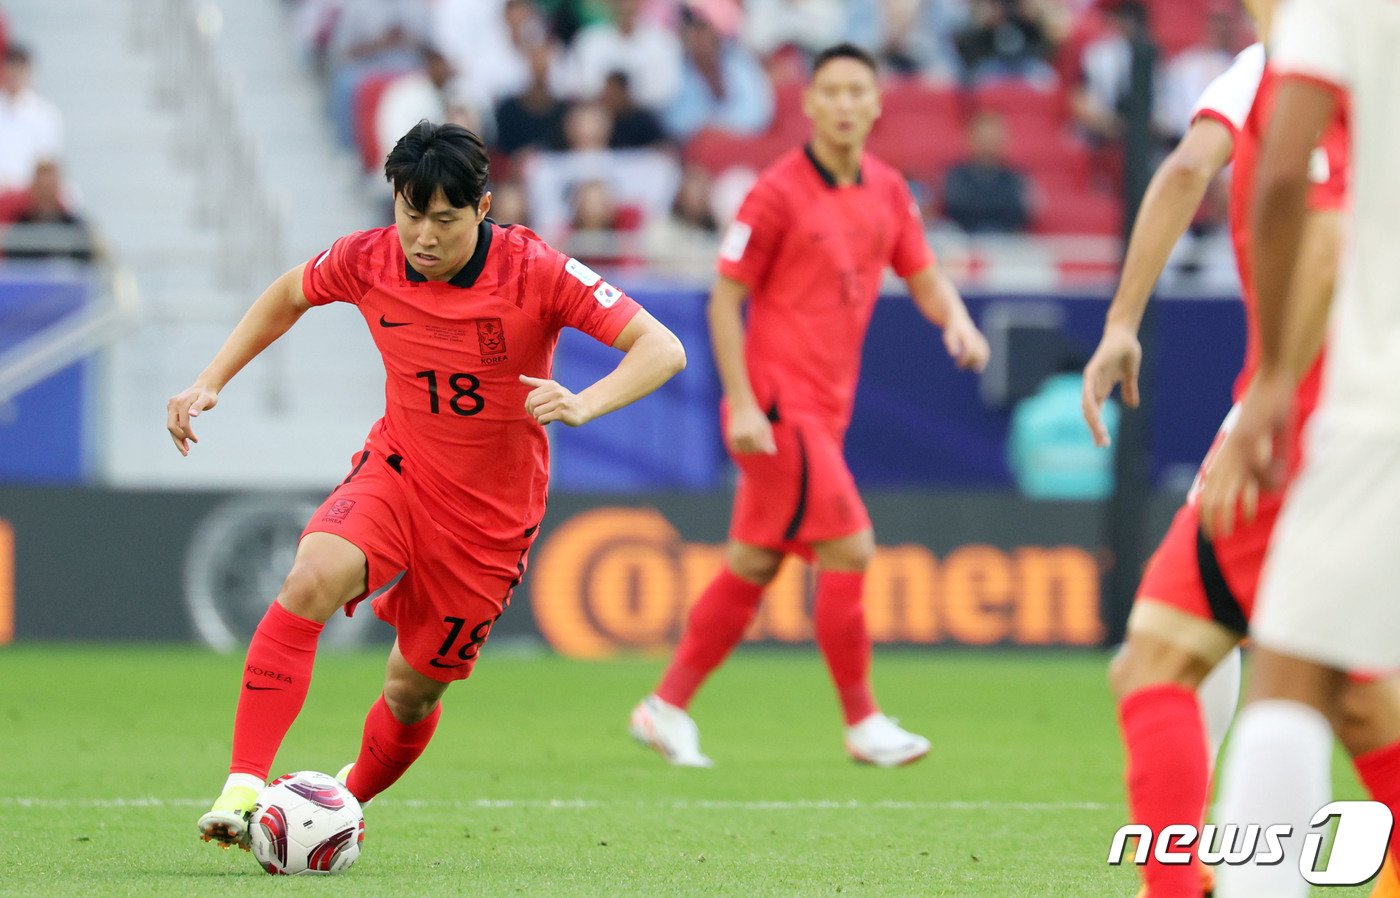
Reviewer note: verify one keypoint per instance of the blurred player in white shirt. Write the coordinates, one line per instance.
(1327, 602)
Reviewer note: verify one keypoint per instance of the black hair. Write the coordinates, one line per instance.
(845, 50)
(18, 54)
(438, 157)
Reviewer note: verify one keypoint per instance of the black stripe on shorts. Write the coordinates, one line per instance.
(800, 511)
(1225, 608)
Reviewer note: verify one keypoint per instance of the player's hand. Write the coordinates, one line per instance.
(749, 432)
(1250, 458)
(552, 401)
(965, 344)
(182, 408)
(1116, 361)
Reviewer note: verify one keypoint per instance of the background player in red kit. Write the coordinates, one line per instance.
(809, 247)
(1197, 594)
(449, 488)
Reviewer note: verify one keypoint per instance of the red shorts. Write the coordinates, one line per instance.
(451, 591)
(802, 495)
(1213, 580)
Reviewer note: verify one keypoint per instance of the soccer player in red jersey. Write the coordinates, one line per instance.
(449, 488)
(1197, 594)
(808, 249)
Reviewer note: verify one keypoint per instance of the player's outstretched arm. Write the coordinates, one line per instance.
(938, 299)
(271, 316)
(747, 430)
(1171, 200)
(652, 355)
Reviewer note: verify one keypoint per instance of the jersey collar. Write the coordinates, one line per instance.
(475, 265)
(827, 177)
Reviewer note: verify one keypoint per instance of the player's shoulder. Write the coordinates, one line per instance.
(1231, 94)
(781, 185)
(362, 249)
(887, 182)
(1246, 71)
(879, 174)
(787, 166)
(1250, 61)
(524, 247)
(788, 173)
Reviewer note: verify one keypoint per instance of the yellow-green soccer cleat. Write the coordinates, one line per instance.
(227, 821)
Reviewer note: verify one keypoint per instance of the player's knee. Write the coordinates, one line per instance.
(1367, 717)
(1142, 663)
(407, 704)
(852, 554)
(311, 591)
(754, 565)
(1118, 672)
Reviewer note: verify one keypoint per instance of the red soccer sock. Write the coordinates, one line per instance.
(844, 641)
(1379, 771)
(716, 623)
(387, 749)
(276, 676)
(1168, 774)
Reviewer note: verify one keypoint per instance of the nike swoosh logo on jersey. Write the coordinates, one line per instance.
(385, 322)
(436, 663)
(253, 688)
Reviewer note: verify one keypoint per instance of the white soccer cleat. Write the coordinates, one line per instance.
(880, 741)
(668, 730)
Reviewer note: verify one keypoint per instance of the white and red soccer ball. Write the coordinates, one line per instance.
(306, 823)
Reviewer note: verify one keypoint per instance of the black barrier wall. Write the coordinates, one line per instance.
(608, 574)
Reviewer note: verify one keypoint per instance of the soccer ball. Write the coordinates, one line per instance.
(306, 823)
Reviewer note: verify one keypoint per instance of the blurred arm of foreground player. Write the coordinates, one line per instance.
(1172, 197)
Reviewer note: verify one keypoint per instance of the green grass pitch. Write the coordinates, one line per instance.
(531, 786)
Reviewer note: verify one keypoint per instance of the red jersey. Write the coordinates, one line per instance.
(454, 406)
(1329, 176)
(812, 255)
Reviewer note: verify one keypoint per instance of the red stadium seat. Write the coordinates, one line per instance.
(1178, 24)
(920, 130)
(366, 106)
(1078, 212)
(1017, 100)
(920, 150)
(789, 121)
(12, 204)
(715, 150)
(908, 97)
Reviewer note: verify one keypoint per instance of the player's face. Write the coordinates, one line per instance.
(843, 102)
(438, 241)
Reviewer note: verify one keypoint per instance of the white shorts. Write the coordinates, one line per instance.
(1330, 590)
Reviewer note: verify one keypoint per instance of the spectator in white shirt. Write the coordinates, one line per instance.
(31, 128)
(1186, 76)
(811, 25)
(644, 179)
(648, 54)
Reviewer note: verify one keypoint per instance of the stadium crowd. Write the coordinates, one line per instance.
(36, 218)
(646, 120)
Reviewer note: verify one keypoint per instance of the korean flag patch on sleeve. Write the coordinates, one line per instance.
(607, 295)
(736, 240)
